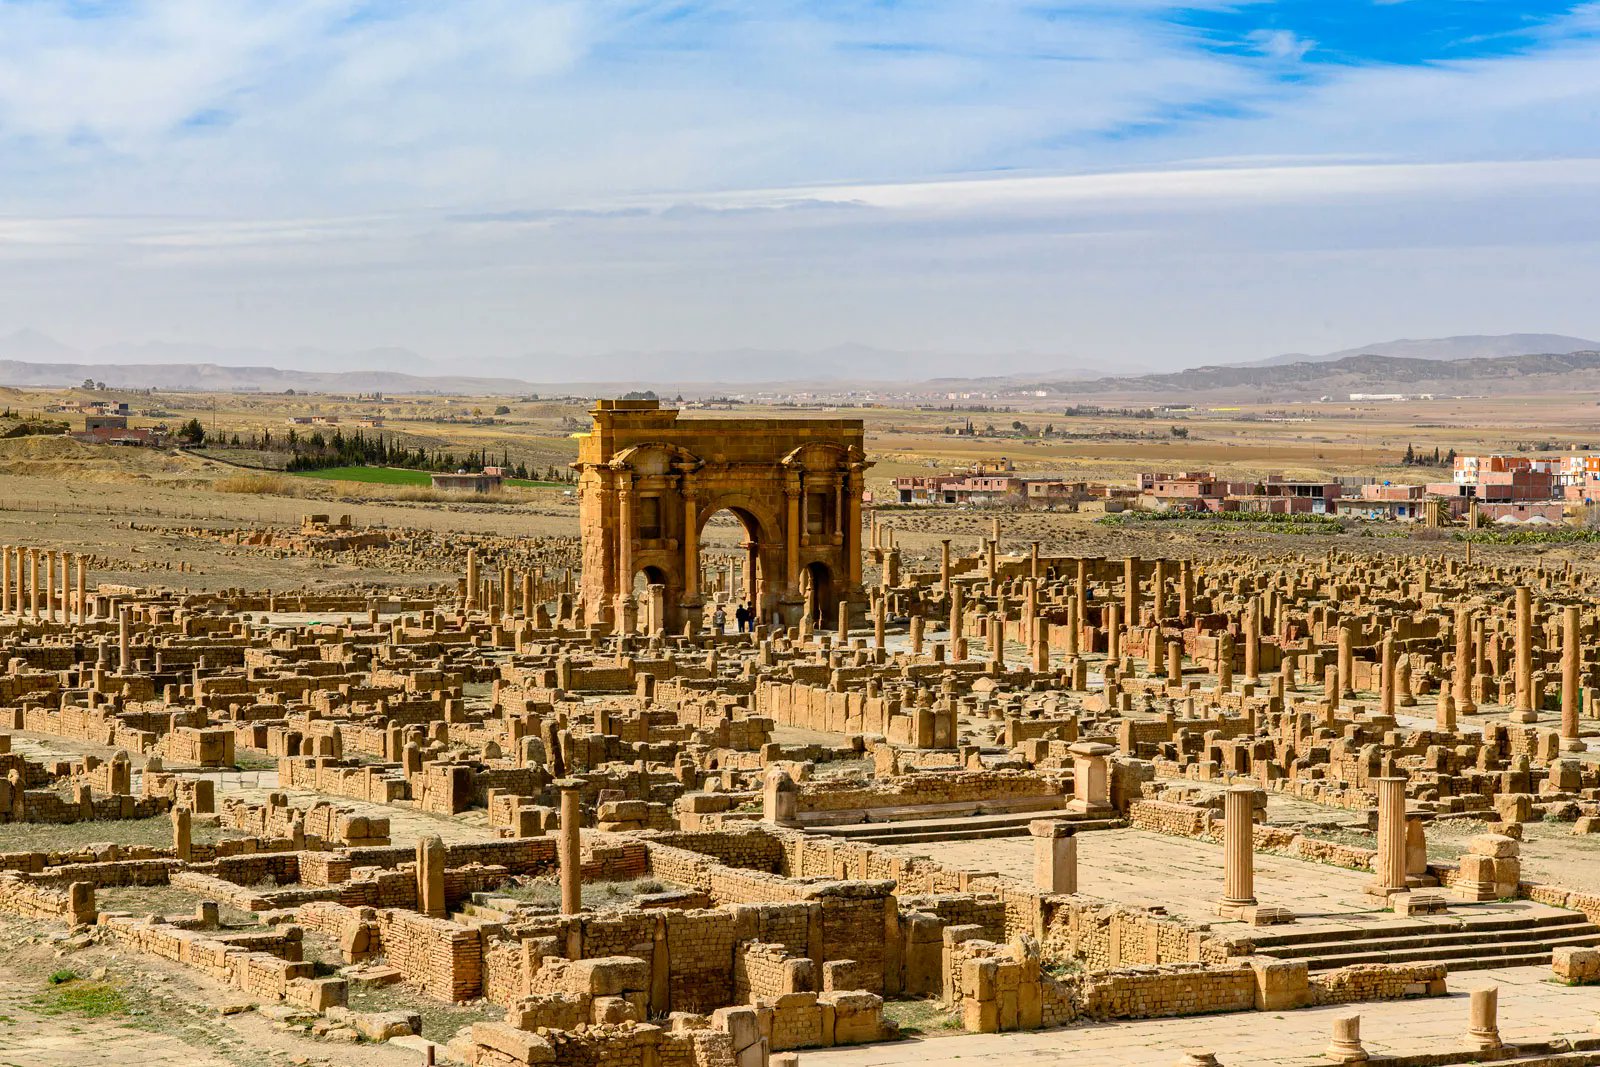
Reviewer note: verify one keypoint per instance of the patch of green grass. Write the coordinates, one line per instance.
(91, 1000)
(57, 977)
(440, 1021)
(155, 832)
(927, 1016)
(547, 891)
(397, 476)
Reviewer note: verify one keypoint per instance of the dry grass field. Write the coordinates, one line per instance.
(84, 497)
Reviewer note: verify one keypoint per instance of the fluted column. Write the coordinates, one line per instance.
(1238, 849)
(1391, 837)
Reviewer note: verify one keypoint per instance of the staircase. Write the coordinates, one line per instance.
(957, 827)
(485, 908)
(1461, 941)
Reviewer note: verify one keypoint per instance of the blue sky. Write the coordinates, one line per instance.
(1100, 181)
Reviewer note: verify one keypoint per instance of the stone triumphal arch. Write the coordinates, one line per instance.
(649, 481)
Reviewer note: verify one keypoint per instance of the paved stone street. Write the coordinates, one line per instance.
(1531, 1008)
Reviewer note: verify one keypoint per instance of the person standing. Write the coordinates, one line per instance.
(719, 620)
(741, 618)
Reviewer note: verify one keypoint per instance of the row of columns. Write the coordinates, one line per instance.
(24, 570)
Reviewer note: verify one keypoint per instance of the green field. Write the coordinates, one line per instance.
(399, 476)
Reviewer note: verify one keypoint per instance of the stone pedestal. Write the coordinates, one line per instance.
(1055, 856)
(1091, 779)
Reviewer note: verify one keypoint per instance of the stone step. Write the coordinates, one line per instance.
(1461, 919)
(960, 828)
(1455, 956)
(1438, 938)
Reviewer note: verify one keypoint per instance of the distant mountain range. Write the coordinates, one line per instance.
(1470, 346)
(259, 368)
(1568, 371)
(1445, 365)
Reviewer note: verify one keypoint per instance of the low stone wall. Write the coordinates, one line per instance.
(1005, 987)
(268, 967)
(1194, 821)
(71, 902)
(442, 957)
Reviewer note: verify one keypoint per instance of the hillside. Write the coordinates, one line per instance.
(1468, 346)
(1365, 374)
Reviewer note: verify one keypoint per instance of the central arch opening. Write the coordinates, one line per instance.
(731, 575)
(817, 587)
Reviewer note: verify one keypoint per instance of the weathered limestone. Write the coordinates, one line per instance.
(1346, 1044)
(1483, 1029)
(1091, 778)
(1523, 711)
(1055, 856)
(1238, 843)
(430, 876)
(1391, 872)
(780, 799)
(568, 848)
(1571, 654)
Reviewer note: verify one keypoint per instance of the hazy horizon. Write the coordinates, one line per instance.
(1128, 186)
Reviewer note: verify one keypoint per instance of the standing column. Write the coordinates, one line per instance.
(691, 543)
(1391, 838)
(1185, 588)
(1113, 634)
(1347, 660)
(1570, 650)
(5, 578)
(958, 642)
(992, 550)
(944, 566)
(33, 583)
(1386, 676)
(1072, 626)
(569, 852)
(16, 581)
(1483, 1027)
(472, 579)
(624, 590)
(1466, 660)
(792, 539)
(997, 640)
(1158, 592)
(1130, 590)
(1238, 852)
(1082, 619)
(1524, 708)
(852, 530)
(1252, 640)
(125, 654)
(83, 589)
(50, 557)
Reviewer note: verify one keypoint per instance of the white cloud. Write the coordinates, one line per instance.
(502, 175)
